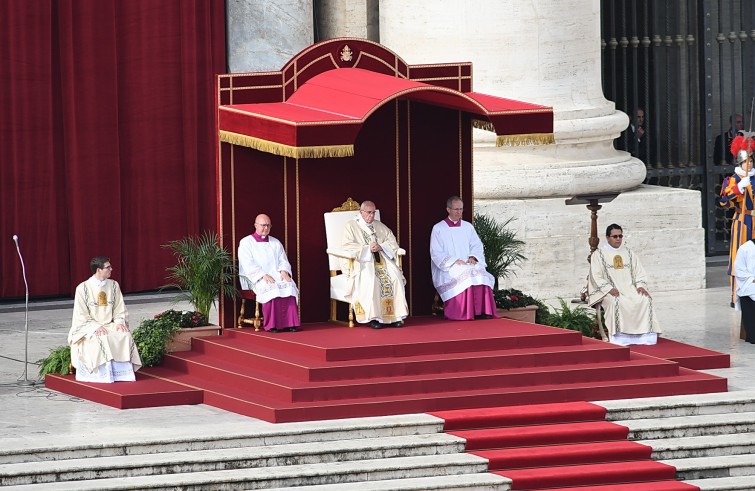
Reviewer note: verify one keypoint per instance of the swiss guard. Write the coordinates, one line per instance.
(737, 194)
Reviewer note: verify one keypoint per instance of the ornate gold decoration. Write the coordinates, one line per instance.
(359, 309)
(346, 54)
(348, 205)
(618, 262)
(102, 299)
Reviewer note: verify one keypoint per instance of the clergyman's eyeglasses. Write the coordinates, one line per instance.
(620, 236)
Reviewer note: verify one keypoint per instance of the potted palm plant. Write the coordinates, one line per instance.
(503, 253)
(203, 272)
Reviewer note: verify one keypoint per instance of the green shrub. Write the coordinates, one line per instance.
(580, 318)
(58, 361)
(152, 337)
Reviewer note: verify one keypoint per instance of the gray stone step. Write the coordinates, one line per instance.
(714, 467)
(230, 458)
(684, 405)
(741, 483)
(49, 447)
(687, 426)
(702, 446)
(477, 482)
(287, 476)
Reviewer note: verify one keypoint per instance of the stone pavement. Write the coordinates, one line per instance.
(700, 317)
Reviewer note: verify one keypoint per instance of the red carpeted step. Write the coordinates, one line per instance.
(145, 392)
(686, 355)
(553, 434)
(638, 486)
(573, 454)
(249, 353)
(588, 475)
(424, 336)
(566, 412)
(223, 371)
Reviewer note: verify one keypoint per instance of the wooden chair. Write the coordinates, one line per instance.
(255, 321)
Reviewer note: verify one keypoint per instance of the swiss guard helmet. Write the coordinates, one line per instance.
(742, 148)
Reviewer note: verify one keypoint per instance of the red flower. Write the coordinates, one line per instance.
(514, 298)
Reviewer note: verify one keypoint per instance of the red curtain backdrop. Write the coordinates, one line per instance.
(107, 143)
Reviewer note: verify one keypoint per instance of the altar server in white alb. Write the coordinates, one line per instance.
(264, 269)
(618, 282)
(375, 282)
(458, 267)
(744, 271)
(102, 349)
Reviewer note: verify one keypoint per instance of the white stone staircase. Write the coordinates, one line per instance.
(709, 438)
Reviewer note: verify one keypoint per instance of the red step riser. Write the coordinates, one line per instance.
(241, 356)
(395, 368)
(380, 407)
(533, 414)
(642, 486)
(202, 366)
(479, 381)
(588, 475)
(573, 454)
(557, 337)
(531, 436)
(214, 375)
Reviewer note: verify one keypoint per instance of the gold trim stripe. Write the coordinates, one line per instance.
(286, 150)
(526, 139)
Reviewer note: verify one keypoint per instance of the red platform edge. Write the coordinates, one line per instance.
(324, 345)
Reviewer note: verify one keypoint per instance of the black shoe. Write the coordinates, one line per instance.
(274, 329)
(376, 325)
(397, 324)
(483, 316)
(292, 329)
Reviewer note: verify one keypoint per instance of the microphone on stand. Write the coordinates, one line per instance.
(25, 380)
(375, 254)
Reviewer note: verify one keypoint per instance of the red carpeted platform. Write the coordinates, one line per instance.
(686, 355)
(560, 447)
(328, 371)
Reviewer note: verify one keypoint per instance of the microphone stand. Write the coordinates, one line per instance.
(25, 375)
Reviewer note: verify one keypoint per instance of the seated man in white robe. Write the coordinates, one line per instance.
(102, 349)
(458, 267)
(264, 269)
(619, 284)
(374, 282)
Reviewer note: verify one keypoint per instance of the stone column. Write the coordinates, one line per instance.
(264, 34)
(347, 18)
(548, 52)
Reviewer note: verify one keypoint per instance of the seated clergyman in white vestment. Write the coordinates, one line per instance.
(102, 349)
(264, 269)
(375, 284)
(619, 284)
(458, 267)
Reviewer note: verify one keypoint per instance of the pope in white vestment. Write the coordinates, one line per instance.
(375, 284)
(264, 268)
(618, 282)
(102, 349)
(458, 267)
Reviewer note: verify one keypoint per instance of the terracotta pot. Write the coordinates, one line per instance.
(526, 314)
(182, 339)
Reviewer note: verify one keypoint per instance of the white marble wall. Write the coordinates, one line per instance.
(662, 225)
(347, 18)
(264, 35)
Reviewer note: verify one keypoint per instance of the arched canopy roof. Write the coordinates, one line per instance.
(324, 115)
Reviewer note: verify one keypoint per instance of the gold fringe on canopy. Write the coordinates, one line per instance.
(483, 125)
(286, 150)
(527, 139)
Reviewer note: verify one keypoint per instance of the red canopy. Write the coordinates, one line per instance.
(323, 117)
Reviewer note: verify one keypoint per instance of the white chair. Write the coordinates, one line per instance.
(335, 221)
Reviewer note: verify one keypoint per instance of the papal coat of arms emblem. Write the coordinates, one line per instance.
(346, 53)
